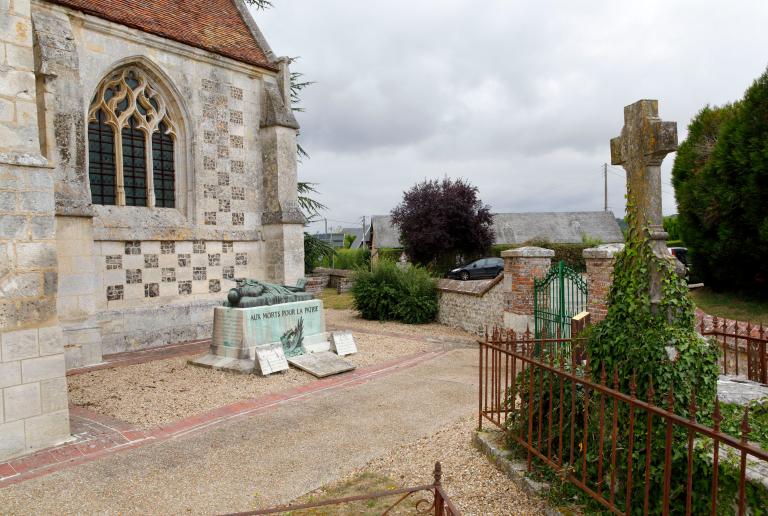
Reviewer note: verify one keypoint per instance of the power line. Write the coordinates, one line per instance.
(620, 173)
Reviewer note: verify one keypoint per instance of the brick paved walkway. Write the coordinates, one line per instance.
(96, 435)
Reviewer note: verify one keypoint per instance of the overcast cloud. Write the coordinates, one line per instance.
(520, 98)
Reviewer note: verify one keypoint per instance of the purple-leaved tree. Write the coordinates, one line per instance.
(442, 222)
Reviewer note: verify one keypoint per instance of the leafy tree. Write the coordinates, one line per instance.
(442, 221)
(349, 239)
(672, 227)
(721, 183)
(260, 4)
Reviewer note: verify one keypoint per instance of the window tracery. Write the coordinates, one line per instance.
(132, 143)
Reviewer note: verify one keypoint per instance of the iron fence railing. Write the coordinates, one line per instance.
(744, 347)
(543, 395)
(425, 499)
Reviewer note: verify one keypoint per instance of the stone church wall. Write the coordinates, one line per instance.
(132, 277)
(33, 387)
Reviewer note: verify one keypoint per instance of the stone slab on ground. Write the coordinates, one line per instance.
(220, 363)
(269, 359)
(343, 343)
(321, 364)
(733, 389)
(268, 459)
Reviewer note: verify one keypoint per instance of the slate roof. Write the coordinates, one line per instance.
(359, 238)
(221, 26)
(519, 228)
(384, 233)
(556, 227)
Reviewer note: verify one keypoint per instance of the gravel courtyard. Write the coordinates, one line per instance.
(385, 432)
(473, 484)
(157, 393)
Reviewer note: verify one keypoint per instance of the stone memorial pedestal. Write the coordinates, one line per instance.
(261, 338)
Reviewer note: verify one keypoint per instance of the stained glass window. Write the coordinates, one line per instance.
(128, 99)
(101, 156)
(163, 168)
(134, 165)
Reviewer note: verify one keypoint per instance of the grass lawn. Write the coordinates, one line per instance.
(362, 483)
(336, 301)
(730, 306)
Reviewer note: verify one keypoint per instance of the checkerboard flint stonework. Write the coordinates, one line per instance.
(162, 270)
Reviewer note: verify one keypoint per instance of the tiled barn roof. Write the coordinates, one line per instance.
(214, 25)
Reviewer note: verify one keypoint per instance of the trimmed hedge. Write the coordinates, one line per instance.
(389, 293)
(571, 254)
(348, 259)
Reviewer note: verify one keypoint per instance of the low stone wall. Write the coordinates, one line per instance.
(340, 279)
(344, 285)
(133, 329)
(471, 305)
(316, 282)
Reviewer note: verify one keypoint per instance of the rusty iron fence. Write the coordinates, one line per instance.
(744, 347)
(425, 499)
(542, 394)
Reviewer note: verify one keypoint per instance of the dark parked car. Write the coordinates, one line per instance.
(681, 253)
(482, 268)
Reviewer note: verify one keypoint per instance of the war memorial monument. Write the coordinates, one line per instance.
(263, 327)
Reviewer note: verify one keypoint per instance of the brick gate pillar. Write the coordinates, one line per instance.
(521, 267)
(599, 278)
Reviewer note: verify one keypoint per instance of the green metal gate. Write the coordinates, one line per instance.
(557, 297)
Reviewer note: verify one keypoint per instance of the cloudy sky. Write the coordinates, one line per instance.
(520, 98)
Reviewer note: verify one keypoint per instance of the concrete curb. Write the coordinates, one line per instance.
(489, 443)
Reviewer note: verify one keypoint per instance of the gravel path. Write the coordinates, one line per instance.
(160, 392)
(268, 459)
(349, 319)
(473, 484)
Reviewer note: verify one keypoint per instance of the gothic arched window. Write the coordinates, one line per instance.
(131, 143)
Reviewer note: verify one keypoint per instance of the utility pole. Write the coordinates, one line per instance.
(363, 234)
(605, 183)
(326, 227)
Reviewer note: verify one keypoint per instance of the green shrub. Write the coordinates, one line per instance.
(389, 253)
(643, 345)
(348, 259)
(720, 178)
(389, 293)
(315, 250)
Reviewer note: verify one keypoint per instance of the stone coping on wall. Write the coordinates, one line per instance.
(344, 273)
(528, 252)
(470, 287)
(604, 251)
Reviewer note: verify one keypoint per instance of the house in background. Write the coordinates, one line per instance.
(520, 228)
(336, 239)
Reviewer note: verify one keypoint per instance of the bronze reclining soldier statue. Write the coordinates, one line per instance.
(250, 293)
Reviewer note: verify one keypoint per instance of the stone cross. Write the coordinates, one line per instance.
(644, 142)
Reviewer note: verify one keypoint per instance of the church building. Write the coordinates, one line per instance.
(147, 159)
